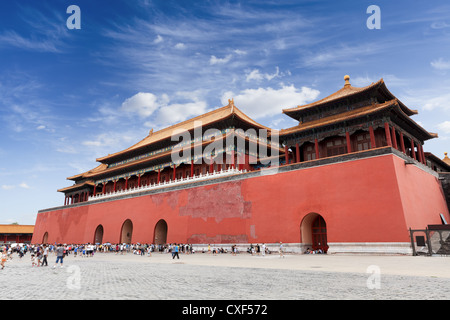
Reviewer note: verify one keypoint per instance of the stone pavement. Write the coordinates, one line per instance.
(108, 276)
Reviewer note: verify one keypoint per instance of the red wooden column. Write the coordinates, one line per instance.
(104, 188)
(159, 176)
(233, 162)
(211, 165)
(316, 145)
(65, 200)
(115, 185)
(139, 180)
(95, 189)
(388, 134)
(394, 138)
(126, 183)
(412, 149)
(174, 172)
(192, 168)
(297, 152)
(286, 154)
(402, 143)
(421, 154)
(373, 144)
(349, 143)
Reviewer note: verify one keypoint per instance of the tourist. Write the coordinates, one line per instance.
(263, 249)
(281, 250)
(59, 255)
(38, 256)
(175, 252)
(33, 260)
(45, 255)
(4, 257)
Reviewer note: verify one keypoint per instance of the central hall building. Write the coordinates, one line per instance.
(352, 176)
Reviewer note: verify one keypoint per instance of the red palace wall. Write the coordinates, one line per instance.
(371, 200)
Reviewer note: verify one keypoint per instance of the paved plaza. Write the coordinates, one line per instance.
(200, 276)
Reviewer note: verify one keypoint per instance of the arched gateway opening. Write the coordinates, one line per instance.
(313, 231)
(98, 236)
(45, 238)
(127, 232)
(160, 234)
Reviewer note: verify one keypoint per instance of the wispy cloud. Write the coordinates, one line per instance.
(214, 60)
(440, 64)
(256, 75)
(444, 126)
(45, 33)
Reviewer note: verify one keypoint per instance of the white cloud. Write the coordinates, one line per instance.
(41, 127)
(389, 79)
(438, 102)
(10, 187)
(142, 103)
(254, 75)
(180, 46)
(444, 126)
(262, 102)
(440, 64)
(162, 110)
(105, 142)
(240, 52)
(179, 112)
(24, 185)
(158, 39)
(214, 60)
(258, 76)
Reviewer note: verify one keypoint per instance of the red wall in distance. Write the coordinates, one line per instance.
(368, 200)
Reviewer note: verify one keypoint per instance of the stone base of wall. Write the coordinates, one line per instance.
(370, 248)
(376, 248)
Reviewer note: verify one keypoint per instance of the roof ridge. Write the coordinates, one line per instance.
(335, 95)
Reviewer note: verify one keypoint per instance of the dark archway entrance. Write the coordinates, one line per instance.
(319, 234)
(313, 231)
(160, 234)
(45, 238)
(127, 232)
(98, 236)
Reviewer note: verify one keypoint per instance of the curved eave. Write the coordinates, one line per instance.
(404, 108)
(77, 186)
(346, 116)
(360, 112)
(333, 98)
(352, 91)
(130, 165)
(217, 115)
(80, 176)
(426, 135)
(438, 160)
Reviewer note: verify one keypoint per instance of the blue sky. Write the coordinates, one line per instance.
(68, 97)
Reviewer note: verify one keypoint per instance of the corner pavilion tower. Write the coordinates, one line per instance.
(352, 176)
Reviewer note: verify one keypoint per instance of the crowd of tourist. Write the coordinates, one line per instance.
(40, 253)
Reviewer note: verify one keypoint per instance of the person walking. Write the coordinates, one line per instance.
(45, 255)
(263, 249)
(4, 257)
(59, 255)
(281, 250)
(175, 252)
